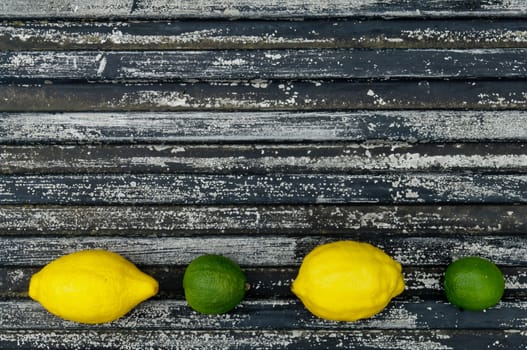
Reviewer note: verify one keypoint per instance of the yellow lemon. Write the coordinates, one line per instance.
(91, 286)
(347, 280)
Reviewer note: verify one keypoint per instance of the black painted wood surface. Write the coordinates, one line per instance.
(259, 129)
(227, 34)
(302, 64)
(269, 9)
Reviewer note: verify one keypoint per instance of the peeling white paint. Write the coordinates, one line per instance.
(253, 9)
(293, 64)
(102, 65)
(229, 62)
(316, 126)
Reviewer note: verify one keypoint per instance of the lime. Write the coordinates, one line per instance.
(347, 280)
(213, 284)
(473, 283)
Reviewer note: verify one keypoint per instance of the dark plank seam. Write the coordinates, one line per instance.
(135, 6)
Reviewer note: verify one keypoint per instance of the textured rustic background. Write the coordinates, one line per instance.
(259, 129)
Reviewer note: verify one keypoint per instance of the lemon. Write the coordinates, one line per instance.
(91, 286)
(473, 283)
(213, 284)
(347, 280)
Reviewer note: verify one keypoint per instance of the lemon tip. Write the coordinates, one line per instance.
(34, 286)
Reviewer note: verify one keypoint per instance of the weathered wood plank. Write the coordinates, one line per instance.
(263, 189)
(272, 339)
(274, 283)
(261, 251)
(269, 95)
(115, 35)
(64, 8)
(262, 158)
(428, 282)
(264, 64)
(262, 314)
(361, 221)
(161, 9)
(408, 126)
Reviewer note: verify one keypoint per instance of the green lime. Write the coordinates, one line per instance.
(473, 283)
(213, 284)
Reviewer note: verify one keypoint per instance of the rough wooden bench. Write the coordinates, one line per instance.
(259, 129)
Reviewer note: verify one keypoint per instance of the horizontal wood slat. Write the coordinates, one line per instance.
(261, 158)
(264, 64)
(272, 339)
(359, 220)
(270, 95)
(177, 315)
(159, 35)
(263, 189)
(261, 250)
(156, 9)
(274, 283)
(208, 126)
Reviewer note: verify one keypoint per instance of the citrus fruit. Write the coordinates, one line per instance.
(347, 280)
(473, 283)
(213, 284)
(91, 286)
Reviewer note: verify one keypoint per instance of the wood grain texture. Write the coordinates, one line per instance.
(261, 250)
(243, 34)
(364, 221)
(204, 126)
(271, 339)
(264, 64)
(263, 189)
(262, 158)
(129, 125)
(156, 9)
(177, 315)
(274, 283)
(262, 94)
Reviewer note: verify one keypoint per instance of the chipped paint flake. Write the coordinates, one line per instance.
(102, 65)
